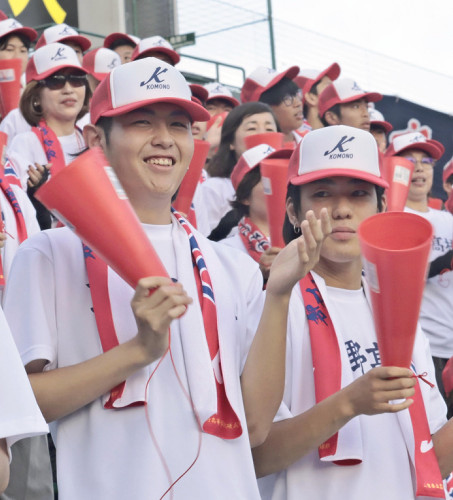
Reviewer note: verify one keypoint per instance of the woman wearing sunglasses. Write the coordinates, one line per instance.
(55, 97)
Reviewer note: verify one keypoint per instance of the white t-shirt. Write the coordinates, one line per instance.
(25, 149)
(436, 314)
(385, 471)
(110, 453)
(20, 416)
(12, 239)
(216, 192)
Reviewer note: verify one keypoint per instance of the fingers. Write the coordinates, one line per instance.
(36, 173)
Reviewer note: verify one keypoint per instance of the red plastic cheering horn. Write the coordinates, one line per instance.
(10, 71)
(189, 183)
(395, 250)
(273, 139)
(398, 173)
(87, 197)
(274, 173)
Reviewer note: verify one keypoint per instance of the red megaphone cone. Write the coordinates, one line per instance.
(273, 139)
(395, 250)
(89, 186)
(274, 173)
(189, 183)
(397, 171)
(10, 71)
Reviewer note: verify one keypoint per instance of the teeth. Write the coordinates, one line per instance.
(161, 161)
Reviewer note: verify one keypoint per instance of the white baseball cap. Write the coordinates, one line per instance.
(335, 151)
(99, 62)
(377, 119)
(218, 91)
(141, 83)
(415, 140)
(343, 91)
(262, 79)
(62, 33)
(149, 46)
(309, 77)
(113, 37)
(14, 27)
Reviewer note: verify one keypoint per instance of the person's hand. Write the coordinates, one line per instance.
(301, 255)
(37, 174)
(156, 303)
(266, 259)
(373, 392)
(2, 239)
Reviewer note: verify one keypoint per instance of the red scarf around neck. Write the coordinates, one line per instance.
(254, 240)
(51, 146)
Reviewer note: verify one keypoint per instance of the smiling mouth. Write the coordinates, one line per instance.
(162, 162)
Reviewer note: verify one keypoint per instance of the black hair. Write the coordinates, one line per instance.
(336, 109)
(23, 38)
(275, 95)
(105, 123)
(239, 208)
(449, 179)
(120, 42)
(293, 192)
(313, 90)
(223, 162)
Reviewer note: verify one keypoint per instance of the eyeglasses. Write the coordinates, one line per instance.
(424, 162)
(289, 99)
(57, 82)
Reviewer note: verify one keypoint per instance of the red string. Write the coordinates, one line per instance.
(153, 437)
(422, 377)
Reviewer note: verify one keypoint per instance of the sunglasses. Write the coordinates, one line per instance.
(57, 82)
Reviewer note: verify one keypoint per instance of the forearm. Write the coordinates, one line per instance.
(291, 439)
(64, 390)
(263, 376)
(443, 446)
(4, 465)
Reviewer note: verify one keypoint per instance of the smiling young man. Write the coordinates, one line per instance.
(436, 314)
(214, 394)
(343, 428)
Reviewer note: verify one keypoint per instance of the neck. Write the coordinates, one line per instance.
(261, 222)
(418, 205)
(347, 275)
(153, 213)
(61, 128)
(313, 118)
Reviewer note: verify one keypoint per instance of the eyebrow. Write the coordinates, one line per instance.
(330, 182)
(174, 113)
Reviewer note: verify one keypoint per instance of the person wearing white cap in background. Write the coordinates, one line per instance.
(447, 182)
(123, 44)
(246, 226)
(217, 191)
(15, 40)
(343, 102)
(312, 82)
(278, 90)
(379, 128)
(158, 47)
(436, 314)
(56, 95)
(181, 441)
(98, 63)
(357, 441)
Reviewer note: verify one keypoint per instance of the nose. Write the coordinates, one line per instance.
(341, 209)
(161, 135)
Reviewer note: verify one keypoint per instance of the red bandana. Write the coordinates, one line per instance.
(225, 423)
(327, 373)
(254, 240)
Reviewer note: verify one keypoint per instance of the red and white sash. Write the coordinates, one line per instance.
(253, 239)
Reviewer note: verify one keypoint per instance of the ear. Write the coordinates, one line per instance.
(384, 203)
(332, 118)
(290, 210)
(94, 136)
(311, 99)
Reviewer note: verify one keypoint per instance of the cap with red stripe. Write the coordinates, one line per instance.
(218, 91)
(142, 83)
(63, 33)
(13, 27)
(49, 59)
(199, 92)
(377, 119)
(113, 37)
(415, 140)
(262, 79)
(309, 77)
(149, 46)
(342, 92)
(447, 171)
(336, 151)
(99, 62)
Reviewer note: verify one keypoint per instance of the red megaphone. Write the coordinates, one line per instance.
(189, 183)
(397, 171)
(87, 196)
(395, 250)
(274, 173)
(273, 139)
(10, 71)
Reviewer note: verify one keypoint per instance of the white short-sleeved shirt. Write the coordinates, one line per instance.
(110, 453)
(216, 193)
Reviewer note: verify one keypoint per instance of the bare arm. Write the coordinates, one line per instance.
(263, 376)
(291, 439)
(4, 466)
(62, 391)
(443, 446)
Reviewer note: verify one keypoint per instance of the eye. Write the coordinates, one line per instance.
(181, 124)
(321, 193)
(360, 192)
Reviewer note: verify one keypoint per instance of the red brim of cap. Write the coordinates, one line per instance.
(234, 102)
(30, 33)
(388, 127)
(368, 96)
(432, 148)
(174, 56)
(299, 180)
(51, 71)
(98, 76)
(113, 37)
(199, 92)
(290, 73)
(447, 172)
(80, 40)
(195, 111)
